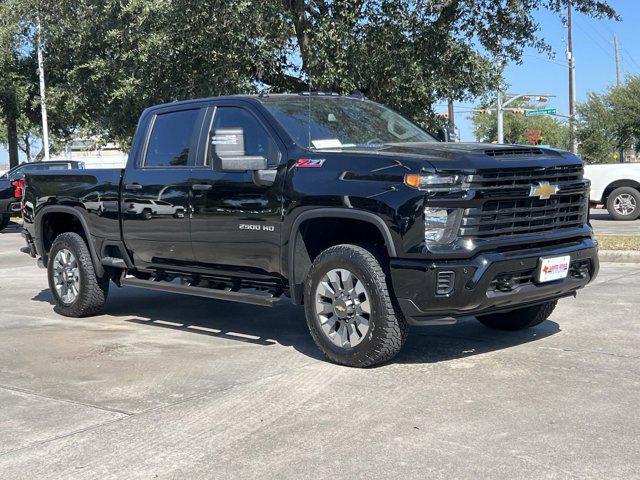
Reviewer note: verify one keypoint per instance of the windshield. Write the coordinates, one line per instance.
(341, 122)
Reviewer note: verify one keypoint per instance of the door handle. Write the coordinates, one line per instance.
(201, 186)
(133, 186)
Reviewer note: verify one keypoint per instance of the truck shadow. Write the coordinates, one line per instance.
(285, 325)
(13, 227)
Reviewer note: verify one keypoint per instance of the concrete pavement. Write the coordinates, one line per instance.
(603, 224)
(173, 387)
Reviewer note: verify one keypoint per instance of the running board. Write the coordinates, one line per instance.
(264, 300)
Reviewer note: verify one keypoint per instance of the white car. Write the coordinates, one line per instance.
(148, 208)
(617, 187)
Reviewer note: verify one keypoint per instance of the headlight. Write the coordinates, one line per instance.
(431, 182)
(441, 225)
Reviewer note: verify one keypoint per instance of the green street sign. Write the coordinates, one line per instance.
(543, 111)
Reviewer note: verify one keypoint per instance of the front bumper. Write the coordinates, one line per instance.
(489, 282)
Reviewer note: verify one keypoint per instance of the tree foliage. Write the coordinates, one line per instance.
(107, 60)
(610, 122)
(520, 129)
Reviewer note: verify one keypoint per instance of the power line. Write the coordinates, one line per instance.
(630, 57)
(596, 42)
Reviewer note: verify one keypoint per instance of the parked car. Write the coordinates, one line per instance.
(10, 191)
(617, 187)
(336, 202)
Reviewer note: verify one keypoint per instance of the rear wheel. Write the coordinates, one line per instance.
(624, 203)
(349, 309)
(519, 319)
(76, 288)
(4, 221)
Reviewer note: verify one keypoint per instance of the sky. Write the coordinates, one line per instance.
(594, 59)
(538, 73)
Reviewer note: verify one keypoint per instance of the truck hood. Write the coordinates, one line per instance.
(472, 156)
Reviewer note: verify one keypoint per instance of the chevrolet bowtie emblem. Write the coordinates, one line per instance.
(340, 309)
(543, 190)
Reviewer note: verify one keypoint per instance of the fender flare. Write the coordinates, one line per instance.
(330, 213)
(83, 222)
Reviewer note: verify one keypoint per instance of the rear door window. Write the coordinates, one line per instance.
(171, 139)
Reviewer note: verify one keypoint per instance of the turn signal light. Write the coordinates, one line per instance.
(412, 180)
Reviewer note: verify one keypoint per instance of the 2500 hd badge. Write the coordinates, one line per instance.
(252, 226)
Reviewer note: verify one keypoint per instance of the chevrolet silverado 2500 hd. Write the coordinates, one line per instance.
(336, 202)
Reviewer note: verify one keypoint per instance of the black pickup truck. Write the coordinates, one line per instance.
(336, 202)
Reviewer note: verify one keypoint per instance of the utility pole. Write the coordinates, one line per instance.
(452, 122)
(615, 46)
(572, 84)
(43, 102)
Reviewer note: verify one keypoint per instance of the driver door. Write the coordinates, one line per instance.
(236, 220)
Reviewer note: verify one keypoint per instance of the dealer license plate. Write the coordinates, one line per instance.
(553, 268)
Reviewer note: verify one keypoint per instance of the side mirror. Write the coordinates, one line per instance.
(228, 153)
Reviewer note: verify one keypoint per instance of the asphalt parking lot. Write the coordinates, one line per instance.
(165, 386)
(603, 224)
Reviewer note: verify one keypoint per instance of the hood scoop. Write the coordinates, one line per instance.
(513, 152)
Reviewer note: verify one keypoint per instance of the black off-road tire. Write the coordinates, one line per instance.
(4, 221)
(519, 319)
(388, 329)
(611, 199)
(93, 289)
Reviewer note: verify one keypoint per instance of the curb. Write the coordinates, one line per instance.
(619, 256)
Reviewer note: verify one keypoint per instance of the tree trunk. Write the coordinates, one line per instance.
(26, 146)
(12, 141)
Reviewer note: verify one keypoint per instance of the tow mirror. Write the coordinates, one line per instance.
(228, 154)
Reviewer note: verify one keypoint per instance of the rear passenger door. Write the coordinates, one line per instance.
(156, 189)
(236, 220)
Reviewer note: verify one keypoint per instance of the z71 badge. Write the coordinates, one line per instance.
(310, 162)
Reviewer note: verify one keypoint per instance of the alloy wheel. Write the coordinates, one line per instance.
(342, 308)
(66, 275)
(625, 204)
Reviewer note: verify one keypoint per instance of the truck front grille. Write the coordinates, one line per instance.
(507, 209)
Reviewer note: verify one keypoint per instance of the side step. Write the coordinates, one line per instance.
(264, 300)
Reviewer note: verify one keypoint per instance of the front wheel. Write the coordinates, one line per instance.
(624, 203)
(349, 308)
(519, 319)
(76, 288)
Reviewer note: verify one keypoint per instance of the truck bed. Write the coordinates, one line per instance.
(94, 193)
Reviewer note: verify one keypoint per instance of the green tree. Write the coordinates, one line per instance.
(518, 128)
(107, 60)
(597, 139)
(625, 107)
(610, 122)
(410, 53)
